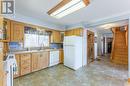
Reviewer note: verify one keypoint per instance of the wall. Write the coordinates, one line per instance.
(99, 44)
(85, 47)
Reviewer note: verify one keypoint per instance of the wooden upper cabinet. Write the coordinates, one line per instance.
(7, 27)
(74, 32)
(17, 32)
(56, 37)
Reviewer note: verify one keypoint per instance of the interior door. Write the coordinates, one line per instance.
(90, 46)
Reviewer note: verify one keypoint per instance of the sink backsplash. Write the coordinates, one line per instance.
(13, 46)
(17, 46)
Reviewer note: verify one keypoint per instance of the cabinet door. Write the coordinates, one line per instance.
(76, 32)
(43, 60)
(46, 59)
(2, 75)
(7, 26)
(35, 57)
(25, 64)
(18, 64)
(61, 56)
(56, 37)
(66, 33)
(17, 32)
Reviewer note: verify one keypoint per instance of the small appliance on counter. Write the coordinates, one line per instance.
(10, 67)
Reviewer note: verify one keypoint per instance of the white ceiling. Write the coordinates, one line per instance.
(98, 9)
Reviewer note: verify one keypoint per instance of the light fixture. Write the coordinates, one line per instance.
(108, 26)
(67, 7)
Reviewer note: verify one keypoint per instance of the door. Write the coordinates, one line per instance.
(90, 46)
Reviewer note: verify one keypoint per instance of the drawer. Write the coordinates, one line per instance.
(25, 55)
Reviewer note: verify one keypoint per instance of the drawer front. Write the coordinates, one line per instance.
(25, 55)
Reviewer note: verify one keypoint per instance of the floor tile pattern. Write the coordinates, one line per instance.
(98, 73)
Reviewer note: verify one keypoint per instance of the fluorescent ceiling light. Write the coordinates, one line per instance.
(71, 6)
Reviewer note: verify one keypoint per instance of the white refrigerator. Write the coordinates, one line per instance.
(73, 52)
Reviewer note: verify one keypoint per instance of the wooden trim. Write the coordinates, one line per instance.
(61, 4)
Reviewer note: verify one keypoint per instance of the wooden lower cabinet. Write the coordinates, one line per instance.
(61, 56)
(25, 64)
(35, 57)
(2, 75)
(18, 65)
(31, 62)
(43, 60)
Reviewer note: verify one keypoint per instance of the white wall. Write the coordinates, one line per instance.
(99, 44)
(85, 47)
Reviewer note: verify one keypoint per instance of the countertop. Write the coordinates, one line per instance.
(34, 51)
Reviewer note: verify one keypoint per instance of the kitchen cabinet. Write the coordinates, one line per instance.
(43, 60)
(35, 62)
(7, 27)
(40, 60)
(25, 64)
(56, 37)
(2, 75)
(31, 62)
(18, 65)
(74, 32)
(17, 32)
(61, 56)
